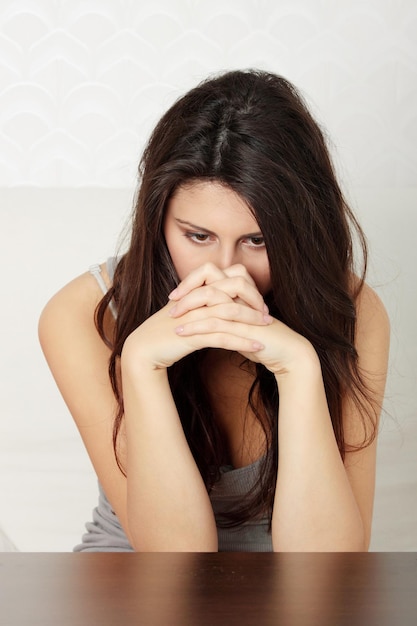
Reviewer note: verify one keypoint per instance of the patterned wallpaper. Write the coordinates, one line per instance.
(83, 81)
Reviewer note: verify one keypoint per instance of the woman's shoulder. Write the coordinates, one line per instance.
(372, 332)
(370, 309)
(80, 296)
(67, 322)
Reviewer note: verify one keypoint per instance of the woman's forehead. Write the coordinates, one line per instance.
(213, 202)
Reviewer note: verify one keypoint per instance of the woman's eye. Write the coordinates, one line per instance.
(255, 242)
(197, 237)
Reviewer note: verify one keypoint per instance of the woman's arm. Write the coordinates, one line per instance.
(155, 454)
(168, 507)
(322, 504)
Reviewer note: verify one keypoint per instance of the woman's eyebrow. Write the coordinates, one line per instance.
(210, 232)
(194, 226)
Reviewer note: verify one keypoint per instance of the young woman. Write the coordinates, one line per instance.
(228, 383)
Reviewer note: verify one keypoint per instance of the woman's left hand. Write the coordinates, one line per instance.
(282, 348)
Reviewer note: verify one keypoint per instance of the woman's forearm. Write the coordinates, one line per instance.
(314, 507)
(168, 505)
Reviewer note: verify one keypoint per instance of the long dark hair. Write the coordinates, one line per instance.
(249, 130)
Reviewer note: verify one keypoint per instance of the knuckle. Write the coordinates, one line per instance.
(209, 267)
(239, 268)
(236, 310)
(214, 324)
(210, 292)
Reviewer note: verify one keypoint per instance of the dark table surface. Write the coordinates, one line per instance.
(373, 589)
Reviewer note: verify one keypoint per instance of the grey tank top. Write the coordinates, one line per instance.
(105, 533)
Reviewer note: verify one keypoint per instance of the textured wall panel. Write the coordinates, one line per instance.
(78, 78)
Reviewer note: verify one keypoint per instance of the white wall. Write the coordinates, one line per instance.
(81, 84)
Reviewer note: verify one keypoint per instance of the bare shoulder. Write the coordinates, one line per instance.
(369, 302)
(71, 309)
(372, 345)
(76, 354)
(373, 326)
(77, 297)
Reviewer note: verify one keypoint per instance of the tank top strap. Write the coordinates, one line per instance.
(95, 270)
(111, 266)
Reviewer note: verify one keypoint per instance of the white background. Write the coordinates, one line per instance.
(81, 84)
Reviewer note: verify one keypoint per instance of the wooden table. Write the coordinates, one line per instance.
(375, 589)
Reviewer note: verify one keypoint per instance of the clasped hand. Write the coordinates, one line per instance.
(214, 308)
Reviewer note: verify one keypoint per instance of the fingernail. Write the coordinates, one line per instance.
(268, 319)
(173, 294)
(172, 310)
(266, 310)
(179, 330)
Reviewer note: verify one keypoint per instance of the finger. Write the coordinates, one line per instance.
(216, 325)
(224, 341)
(239, 270)
(237, 287)
(203, 275)
(200, 297)
(232, 311)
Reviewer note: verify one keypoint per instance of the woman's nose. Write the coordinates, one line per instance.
(226, 257)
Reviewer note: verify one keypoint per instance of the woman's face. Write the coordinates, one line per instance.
(208, 222)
